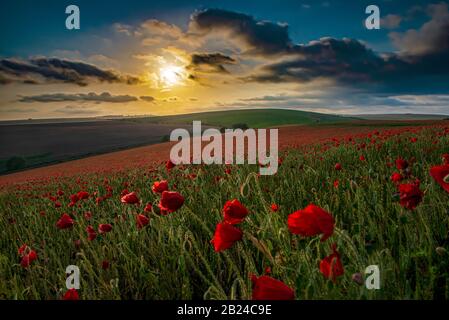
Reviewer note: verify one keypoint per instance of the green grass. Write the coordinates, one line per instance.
(255, 118)
(172, 258)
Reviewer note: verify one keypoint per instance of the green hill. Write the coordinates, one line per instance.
(254, 118)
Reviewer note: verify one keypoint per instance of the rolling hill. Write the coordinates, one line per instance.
(254, 118)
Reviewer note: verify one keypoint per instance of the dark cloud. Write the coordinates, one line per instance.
(352, 63)
(147, 98)
(210, 62)
(259, 37)
(90, 97)
(53, 70)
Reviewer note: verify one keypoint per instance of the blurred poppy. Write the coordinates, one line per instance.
(71, 294)
(130, 198)
(268, 288)
(142, 221)
(311, 221)
(234, 212)
(104, 228)
(65, 222)
(331, 266)
(225, 236)
(410, 195)
(171, 201)
(441, 175)
(160, 186)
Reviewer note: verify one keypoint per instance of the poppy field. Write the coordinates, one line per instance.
(161, 231)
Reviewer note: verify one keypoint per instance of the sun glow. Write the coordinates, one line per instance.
(171, 76)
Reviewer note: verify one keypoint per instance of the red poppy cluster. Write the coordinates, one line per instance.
(27, 256)
(226, 233)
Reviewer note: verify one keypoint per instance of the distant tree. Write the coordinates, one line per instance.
(165, 138)
(15, 163)
(242, 126)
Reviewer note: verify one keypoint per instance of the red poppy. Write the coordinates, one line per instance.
(336, 184)
(160, 186)
(274, 207)
(410, 195)
(331, 266)
(104, 228)
(74, 198)
(268, 288)
(142, 221)
(311, 221)
(91, 234)
(105, 264)
(71, 294)
(171, 201)
(225, 236)
(83, 195)
(362, 158)
(169, 165)
(396, 177)
(28, 256)
(130, 198)
(148, 207)
(441, 175)
(234, 212)
(338, 166)
(401, 164)
(65, 222)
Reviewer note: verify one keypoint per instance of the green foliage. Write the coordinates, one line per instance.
(172, 258)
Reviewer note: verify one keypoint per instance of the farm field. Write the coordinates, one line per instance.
(345, 197)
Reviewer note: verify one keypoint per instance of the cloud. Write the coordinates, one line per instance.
(432, 37)
(54, 70)
(91, 97)
(210, 62)
(147, 98)
(258, 37)
(391, 21)
(77, 110)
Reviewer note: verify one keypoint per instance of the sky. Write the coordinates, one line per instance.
(140, 57)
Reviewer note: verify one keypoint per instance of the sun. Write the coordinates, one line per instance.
(171, 75)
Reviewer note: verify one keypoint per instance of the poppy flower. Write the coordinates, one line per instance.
(311, 221)
(441, 175)
(338, 166)
(91, 234)
(401, 164)
(104, 228)
(336, 184)
(28, 256)
(82, 195)
(362, 158)
(71, 294)
(141, 221)
(169, 165)
(225, 236)
(130, 198)
(396, 177)
(331, 266)
(160, 186)
(234, 212)
(148, 207)
(105, 264)
(268, 288)
(74, 198)
(274, 207)
(410, 195)
(65, 222)
(171, 201)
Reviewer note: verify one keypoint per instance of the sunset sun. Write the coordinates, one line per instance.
(171, 75)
